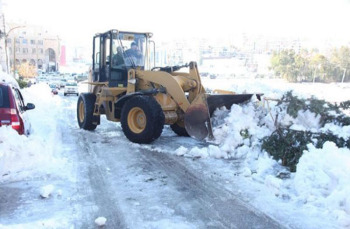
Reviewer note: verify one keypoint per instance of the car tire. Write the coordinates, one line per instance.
(142, 119)
(179, 129)
(64, 94)
(85, 112)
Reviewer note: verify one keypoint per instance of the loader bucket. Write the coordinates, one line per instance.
(217, 101)
(197, 116)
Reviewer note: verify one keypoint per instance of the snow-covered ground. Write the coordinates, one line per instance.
(316, 196)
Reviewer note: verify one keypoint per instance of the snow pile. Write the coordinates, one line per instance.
(4, 77)
(340, 131)
(323, 180)
(23, 157)
(46, 191)
(100, 221)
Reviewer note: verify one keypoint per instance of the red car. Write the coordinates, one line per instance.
(13, 110)
(53, 89)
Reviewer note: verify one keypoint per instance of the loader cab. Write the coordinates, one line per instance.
(115, 53)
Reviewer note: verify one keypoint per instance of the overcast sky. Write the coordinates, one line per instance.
(76, 20)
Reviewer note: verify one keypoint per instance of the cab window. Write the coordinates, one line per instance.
(129, 50)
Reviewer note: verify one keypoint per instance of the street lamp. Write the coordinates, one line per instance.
(14, 49)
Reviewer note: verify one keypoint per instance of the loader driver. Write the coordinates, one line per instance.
(118, 59)
(134, 53)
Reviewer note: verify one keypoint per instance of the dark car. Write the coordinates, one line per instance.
(13, 110)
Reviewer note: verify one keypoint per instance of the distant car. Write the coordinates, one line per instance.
(71, 88)
(53, 89)
(66, 75)
(12, 109)
(204, 74)
(63, 83)
(42, 79)
(212, 76)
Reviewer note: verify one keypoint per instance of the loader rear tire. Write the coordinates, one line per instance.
(85, 111)
(179, 130)
(142, 119)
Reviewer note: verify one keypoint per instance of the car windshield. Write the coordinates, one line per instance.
(129, 49)
(4, 98)
(71, 84)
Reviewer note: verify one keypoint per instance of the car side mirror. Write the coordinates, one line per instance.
(30, 106)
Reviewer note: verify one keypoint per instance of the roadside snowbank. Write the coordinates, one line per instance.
(4, 77)
(24, 157)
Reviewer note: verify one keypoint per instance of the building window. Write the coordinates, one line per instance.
(9, 41)
(41, 51)
(24, 41)
(17, 50)
(25, 50)
(10, 50)
(32, 42)
(17, 40)
(33, 51)
(40, 42)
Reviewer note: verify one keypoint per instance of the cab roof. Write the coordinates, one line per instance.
(148, 34)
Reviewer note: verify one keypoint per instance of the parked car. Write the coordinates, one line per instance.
(71, 88)
(204, 74)
(53, 89)
(13, 109)
(63, 83)
(212, 76)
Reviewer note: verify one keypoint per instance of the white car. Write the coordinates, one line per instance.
(71, 88)
(62, 83)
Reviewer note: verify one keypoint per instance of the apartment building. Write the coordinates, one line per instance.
(34, 45)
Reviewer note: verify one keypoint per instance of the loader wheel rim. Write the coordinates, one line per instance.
(137, 120)
(81, 111)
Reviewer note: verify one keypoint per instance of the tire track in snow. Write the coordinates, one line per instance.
(96, 196)
(102, 193)
(212, 202)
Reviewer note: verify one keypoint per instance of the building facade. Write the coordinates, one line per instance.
(33, 45)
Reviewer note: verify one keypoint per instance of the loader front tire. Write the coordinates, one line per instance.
(85, 111)
(142, 119)
(179, 129)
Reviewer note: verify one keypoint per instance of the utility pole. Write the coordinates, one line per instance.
(6, 54)
(343, 75)
(14, 57)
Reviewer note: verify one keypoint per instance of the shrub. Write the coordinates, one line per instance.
(288, 145)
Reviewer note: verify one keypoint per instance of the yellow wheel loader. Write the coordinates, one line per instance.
(126, 87)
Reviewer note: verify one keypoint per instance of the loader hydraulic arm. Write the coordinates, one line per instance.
(170, 69)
